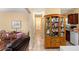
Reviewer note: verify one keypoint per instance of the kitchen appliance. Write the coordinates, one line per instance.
(74, 37)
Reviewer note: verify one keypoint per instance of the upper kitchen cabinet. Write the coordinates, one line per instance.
(73, 18)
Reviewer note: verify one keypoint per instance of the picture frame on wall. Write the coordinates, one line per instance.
(16, 24)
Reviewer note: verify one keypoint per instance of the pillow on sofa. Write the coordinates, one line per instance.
(12, 35)
(19, 35)
(3, 35)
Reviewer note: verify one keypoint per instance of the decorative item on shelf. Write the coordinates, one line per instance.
(56, 30)
(52, 19)
(62, 29)
(62, 25)
(62, 19)
(53, 30)
(56, 20)
(56, 24)
(52, 23)
(48, 32)
(55, 34)
(61, 34)
(52, 34)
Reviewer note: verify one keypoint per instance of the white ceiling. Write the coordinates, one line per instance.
(21, 9)
(12, 10)
(63, 10)
(37, 9)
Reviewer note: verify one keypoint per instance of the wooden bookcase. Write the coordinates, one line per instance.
(55, 31)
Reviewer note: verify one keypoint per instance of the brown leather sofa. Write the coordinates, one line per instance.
(20, 44)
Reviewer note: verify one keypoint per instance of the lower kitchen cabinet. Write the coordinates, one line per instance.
(68, 35)
(74, 36)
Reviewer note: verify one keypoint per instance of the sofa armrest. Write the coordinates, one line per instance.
(19, 43)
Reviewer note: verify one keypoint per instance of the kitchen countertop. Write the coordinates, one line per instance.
(69, 48)
(72, 30)
(75, 30)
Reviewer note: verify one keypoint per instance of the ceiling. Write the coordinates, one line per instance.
(12, 10)
(37, 9)
(63, 10)
(21, 9)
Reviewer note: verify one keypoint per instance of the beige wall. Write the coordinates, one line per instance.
(76, 10)
(31, 31)
(7, 17)
(25, 18)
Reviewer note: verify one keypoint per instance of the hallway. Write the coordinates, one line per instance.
(39, 43)
(39, 40)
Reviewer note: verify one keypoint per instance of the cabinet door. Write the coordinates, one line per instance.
(55, 42)
(47, 43)
(74, 38)
(75, 19)
(62, 41)
(70, 19)
(68, 35)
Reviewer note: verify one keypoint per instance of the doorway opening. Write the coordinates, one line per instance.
(38, 23)
(38, 33)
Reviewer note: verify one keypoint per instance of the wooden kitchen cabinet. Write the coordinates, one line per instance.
(73, 18)
(68, 35)
(55, 29)
(74, 37)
